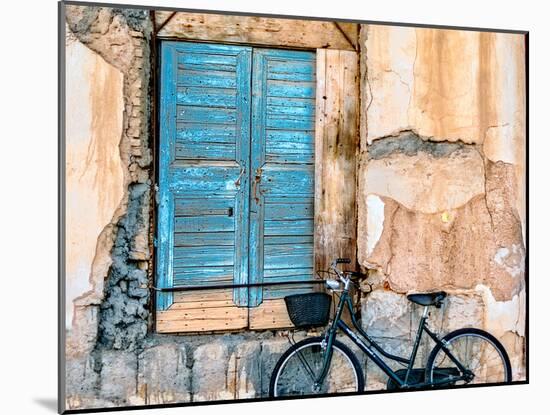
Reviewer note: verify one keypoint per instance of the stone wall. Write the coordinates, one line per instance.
(175, 369)
(440, 206)
(442, 181)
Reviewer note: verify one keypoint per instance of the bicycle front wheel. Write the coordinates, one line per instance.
(298, 368)
(480, 353)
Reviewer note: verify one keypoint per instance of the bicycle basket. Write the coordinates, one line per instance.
(308, 310)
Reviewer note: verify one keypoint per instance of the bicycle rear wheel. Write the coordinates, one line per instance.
(478, 351)
(299, 366)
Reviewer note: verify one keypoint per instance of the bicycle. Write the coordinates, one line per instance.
(325, 365)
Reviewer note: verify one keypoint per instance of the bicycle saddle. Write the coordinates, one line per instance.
(428, 298)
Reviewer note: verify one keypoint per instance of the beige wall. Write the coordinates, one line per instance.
(94, 176)
(441, 199)
(449, 85)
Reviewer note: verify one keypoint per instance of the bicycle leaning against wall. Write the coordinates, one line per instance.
(324, 365)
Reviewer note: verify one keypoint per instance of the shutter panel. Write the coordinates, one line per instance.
(282, 163)
(203, 185)
(251, 205)
(336, 141)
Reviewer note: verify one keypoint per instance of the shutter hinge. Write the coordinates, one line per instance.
(155, 243)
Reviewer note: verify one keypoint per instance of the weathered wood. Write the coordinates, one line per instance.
(336, 138)
(202, 185)
(211, 275)
(351, 32)
(202, 206)
(203, 195)
(162, 19)
(271, 314)
(204, 239)
(203, 296)
(199, 311)
(176, 319)
(192, 305)
(283, 114)
(295, 33)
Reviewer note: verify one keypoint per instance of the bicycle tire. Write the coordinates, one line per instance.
(308, 343)
(452, 337)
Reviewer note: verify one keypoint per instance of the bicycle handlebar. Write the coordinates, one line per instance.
(337, 261)
(341, 275)
(344, 276)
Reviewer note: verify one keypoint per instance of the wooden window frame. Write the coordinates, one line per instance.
(336, 137)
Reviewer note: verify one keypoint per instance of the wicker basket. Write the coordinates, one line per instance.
(308, 310)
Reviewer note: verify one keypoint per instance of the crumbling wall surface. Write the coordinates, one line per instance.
(94, 171)
(176, 369)
(441, 205)
(441, 181)
(113, 358)
(113, 307)
(109, 170)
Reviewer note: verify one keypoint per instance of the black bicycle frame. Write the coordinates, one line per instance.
(370, 347)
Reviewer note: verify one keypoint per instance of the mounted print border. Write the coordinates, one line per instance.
(213, 164)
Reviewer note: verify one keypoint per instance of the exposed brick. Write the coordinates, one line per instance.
(135, 142)
(135, 122)
(133, 132)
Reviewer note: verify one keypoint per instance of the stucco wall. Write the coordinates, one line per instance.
(94, 171)
(112, 356)
(441, 205)
(442, 178)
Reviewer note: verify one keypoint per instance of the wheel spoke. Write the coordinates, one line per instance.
(485, 361)
(306, 366)
(299, 368)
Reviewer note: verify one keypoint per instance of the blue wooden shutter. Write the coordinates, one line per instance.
(282, 170)
(203, 167)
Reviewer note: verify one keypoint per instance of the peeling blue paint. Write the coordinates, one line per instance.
(236, 203)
